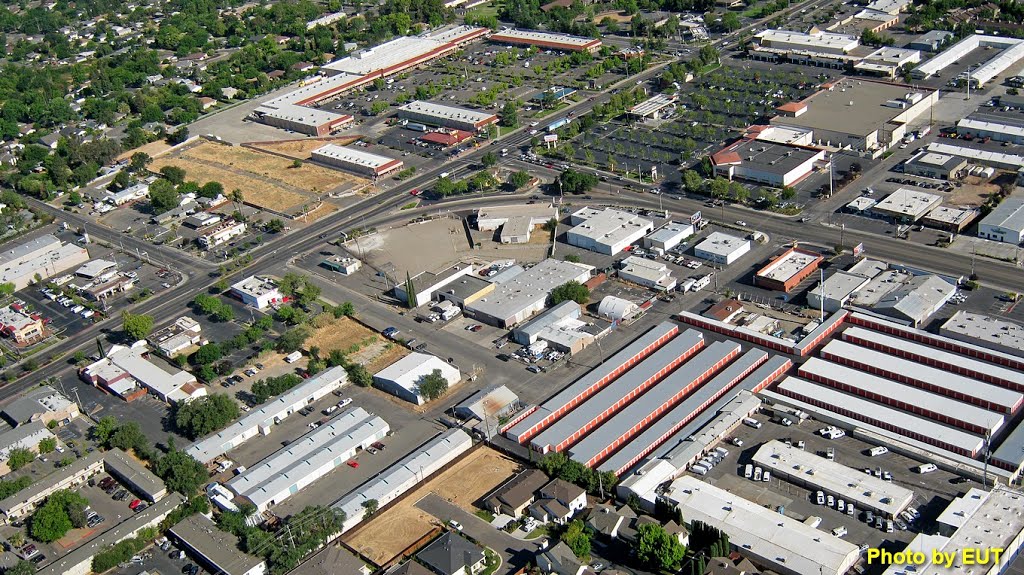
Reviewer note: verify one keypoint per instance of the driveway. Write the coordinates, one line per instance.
(514, 553)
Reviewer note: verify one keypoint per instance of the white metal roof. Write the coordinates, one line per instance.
(445, 112)
(764, 534)
(1008, 214)
(820, 40)
(998, 158)
(788, 265)
(408, 371)
(610, 226)
(721, 244)
(900, 419)
(899, 392)
(352, 156)
(907, 202)
(993, 127)
(853, 486)
(839, 285)
(510, 35)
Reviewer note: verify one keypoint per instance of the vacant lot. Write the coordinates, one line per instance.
(267, 181)
(300, 149)
(391, 531)
(154, 149)
(973, 192)
(361, 344)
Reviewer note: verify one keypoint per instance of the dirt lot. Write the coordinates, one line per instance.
(398, 526)
(154, 149)
(300, 149)
(282, 187)
(972, 193)
(360, 343)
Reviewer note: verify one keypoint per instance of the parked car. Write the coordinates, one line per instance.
(134, 504)
(378, 445)
(353, 463)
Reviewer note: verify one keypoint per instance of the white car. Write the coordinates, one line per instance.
(344, 402)
(737, 442)
(741, 223)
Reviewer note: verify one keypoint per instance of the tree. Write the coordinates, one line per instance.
(47, 445)
(274, 226)
(433, 385)
(572, 258)
(378, 107)
(573, 182)
(18, 458)
(178, 137)
(173, 174)
(739, 192)
(573, 290)
(181, 472)
(129, 436)
(6, 289)
(489, 159)
(60, 512)
(730, 21)
(370, 505)
(577, 539)
(204, 415)
(788, 193)
(345, 309)
(211, 190)
(657, 549)
(411, 299)
(104, 428)
(121, 181)
(208, 354)
(139, 162)
(510, 114)
(292, 340)
(162, 196)
(518, 180)
(359, 374)
(692, 181)
(136, 326)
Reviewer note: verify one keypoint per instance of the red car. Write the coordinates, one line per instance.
(134, 504)
(353, 463)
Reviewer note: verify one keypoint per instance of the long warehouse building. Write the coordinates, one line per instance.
(936, 358)
(578, 422)
(261, 421)
(300, 463)
(404, 474)
(530, 423)
(667, 435)
(942, 342)
(741, 374)
(624, 425)
(449, 116)
(816, 472)
(901, 396)
(934, 380)
(827, 400)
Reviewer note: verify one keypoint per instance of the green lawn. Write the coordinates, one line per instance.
(538, 532)
(502, 130)
(485, 515)
(492, 560)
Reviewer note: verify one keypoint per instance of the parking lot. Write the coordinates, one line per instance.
(933, 491)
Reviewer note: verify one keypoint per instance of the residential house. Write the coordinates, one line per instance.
(516, 495)
(628, 530)
(606, 520)
(559, 559)
(572, 497)
(452, 554)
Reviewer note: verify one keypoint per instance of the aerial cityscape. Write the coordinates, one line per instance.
(512, 287)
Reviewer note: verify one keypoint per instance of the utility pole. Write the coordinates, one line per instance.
(821, 299)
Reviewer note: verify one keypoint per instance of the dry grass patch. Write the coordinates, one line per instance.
(300, 149)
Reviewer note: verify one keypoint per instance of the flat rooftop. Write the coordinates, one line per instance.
(217, 547)
(976, 326)
(671, 231)
(608, 226)
(1008, 214)
(721, 244)
(528, 287)
(829, 110)
(951, 216)
(935, 160)
(839, 285)
(794, 387)
(530, 36)
(352, 156)
(764, 156)
(907, 202)
(819, 41)
(851, 485)
(445, 112)
(545, 211)
(789, 264)
(653, 104)
(255, 286)
(763, 533)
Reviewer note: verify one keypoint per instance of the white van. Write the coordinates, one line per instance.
(926, 468)
(876, 451)
(813, 521)
(751, 422)
(748, 471)
(839, 531)
(699, 469)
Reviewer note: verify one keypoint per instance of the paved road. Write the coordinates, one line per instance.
(514, 553)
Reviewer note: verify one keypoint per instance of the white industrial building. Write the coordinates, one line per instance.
(832, 294)
(560, 326)
(435, 114)
(403, 475)
(1009, 52)
(303, 461)
(25, 436)
(887, 61)
(1001, 128)
(427, 284)
(978, 520)
(129, 194)
(257, 292)
(1005, 223)
(606, 231)
(648, 273)
(815, 472)
(44, 257)
(128, 372)
(355, 161)
(221, 234)
(785, 545)
(986, 331)
(96, 268)
(721, 248)
(181, 335)
(548, 40)
(767, 162)
(616, 309)
(668, 236)
(916, 300)
(402, 378)
(907, 205)
(261, 421)
(814, 41)
(516, 299)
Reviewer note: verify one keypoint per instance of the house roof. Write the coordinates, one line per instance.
(562, 490)
(449, 553)
(520, 489)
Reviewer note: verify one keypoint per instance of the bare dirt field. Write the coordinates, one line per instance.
(360, 343)
(972, 193)
(391, 531)
(154, 149)
(300, 149)
(268, 181)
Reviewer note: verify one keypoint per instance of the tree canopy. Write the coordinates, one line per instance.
(136, 326)
(433, 385)
(60, 512)
(204, 415)
(573, 290)
(657, 549)
(573, 182)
